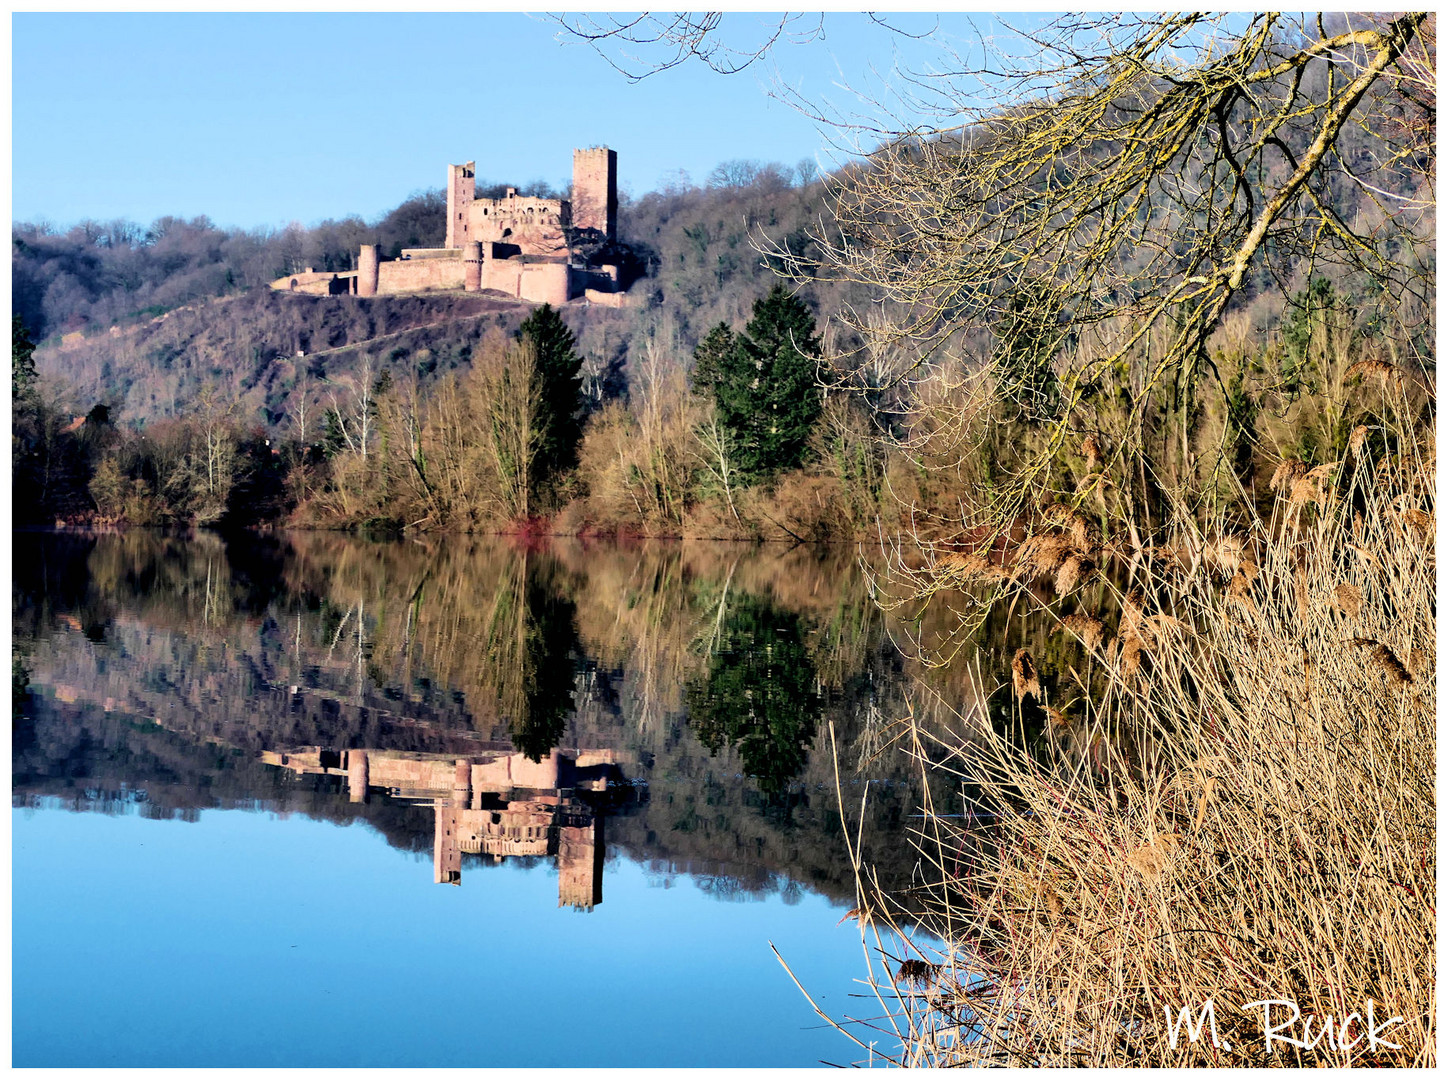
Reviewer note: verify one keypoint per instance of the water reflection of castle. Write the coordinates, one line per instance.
(496, 804)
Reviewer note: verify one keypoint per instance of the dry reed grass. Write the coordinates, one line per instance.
(1024, 679)
(1249, 816)
(1091, 631)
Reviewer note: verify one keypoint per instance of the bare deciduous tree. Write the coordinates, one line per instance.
(716, 455)
(480, 437)
(684, 36)
(1117, 192)
(1083, 213)
(354, 418)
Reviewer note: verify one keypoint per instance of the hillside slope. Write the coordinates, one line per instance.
(697, 247)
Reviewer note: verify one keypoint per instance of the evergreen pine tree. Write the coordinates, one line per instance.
(766, 390)
(759, 695)
(559, 391)
(712, 358)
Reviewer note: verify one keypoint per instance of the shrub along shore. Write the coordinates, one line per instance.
(1232, 801)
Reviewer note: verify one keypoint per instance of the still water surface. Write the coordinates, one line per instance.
(311, 800)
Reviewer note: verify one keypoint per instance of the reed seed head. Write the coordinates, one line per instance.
(1286, 473)
(1239, 591)
(1071, 573)
(1091, 631)
(1374, 368)
(1357, 440)
(1024, 678)
(1348, 599)
(1392, 666)
(1130, 657)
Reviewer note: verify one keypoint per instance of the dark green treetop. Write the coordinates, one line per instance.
(712, 358)
(764, 383)
(559, 390)
(759, 696)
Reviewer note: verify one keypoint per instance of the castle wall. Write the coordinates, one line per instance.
(540, 775)
(419, 275)
(503, 275)
(431, 777)
(545, 283)
(534, 225)
(316, 284)
(417, 776)
(606, 299)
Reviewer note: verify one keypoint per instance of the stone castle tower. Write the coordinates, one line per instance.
(595, 190)
(461, 187)
(594, 204)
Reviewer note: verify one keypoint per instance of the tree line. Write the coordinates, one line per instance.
(738, 436)
(501, 442)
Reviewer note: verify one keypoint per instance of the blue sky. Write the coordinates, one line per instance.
(263, 119)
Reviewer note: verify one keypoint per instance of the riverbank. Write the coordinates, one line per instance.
(1233, 802)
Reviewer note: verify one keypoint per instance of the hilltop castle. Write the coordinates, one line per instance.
(518, 246)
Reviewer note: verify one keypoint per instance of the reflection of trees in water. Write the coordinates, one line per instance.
(499, 628)
(438, 644)
(199, 583)
(759, 694)
(484, 623)
(543, 700)
(22, 727)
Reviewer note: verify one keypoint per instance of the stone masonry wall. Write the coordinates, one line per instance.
(534, 225)
(418, 275)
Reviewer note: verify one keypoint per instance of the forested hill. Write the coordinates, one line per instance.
(140, 318)
(143, 319)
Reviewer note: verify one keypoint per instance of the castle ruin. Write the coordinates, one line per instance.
(519, 246)
(490, 804)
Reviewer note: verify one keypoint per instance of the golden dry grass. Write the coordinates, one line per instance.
(1241, 808)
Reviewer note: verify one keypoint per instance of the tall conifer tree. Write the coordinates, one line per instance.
(764, 383)
(559, 391)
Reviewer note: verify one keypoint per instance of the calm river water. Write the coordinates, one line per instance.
(311, 800)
